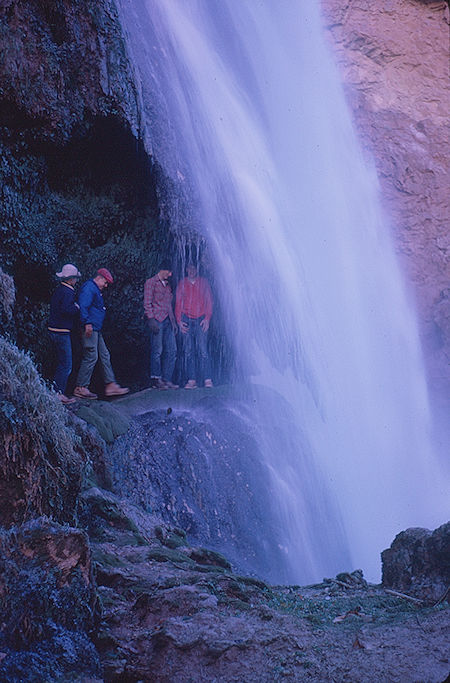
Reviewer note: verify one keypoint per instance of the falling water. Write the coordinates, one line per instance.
(244, 115)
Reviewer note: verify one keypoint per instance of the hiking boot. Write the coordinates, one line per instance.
(191, 384)
(208, 384)
(157, 383)
(65, 399)
(171, 385)
(113, 389)
(83, 392)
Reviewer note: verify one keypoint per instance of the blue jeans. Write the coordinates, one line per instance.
(195, 349)
(163, 351)
(63, 346)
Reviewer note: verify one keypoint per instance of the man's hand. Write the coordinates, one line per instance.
(184, 327)
(204, 325)
(153, 325)
(88, 330)
(173, 322)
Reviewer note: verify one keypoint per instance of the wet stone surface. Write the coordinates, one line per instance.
(201, 471)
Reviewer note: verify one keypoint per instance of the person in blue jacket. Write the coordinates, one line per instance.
(92, 314)
(63, 313)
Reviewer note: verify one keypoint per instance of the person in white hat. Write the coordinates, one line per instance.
(63, 313)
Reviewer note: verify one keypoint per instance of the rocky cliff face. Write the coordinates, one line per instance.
(75, 186)
(394, 61)
(134, 601)
(63, 62)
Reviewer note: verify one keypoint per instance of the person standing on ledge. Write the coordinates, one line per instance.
(161, 323)
(63, 313)
(92, 314)
(193, 311)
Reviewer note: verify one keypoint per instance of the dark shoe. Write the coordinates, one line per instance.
(113, 389)
(157, 383)
(83, 392)
(66, 400)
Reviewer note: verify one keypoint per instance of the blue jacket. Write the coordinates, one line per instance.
(63, 309)
(92, 308)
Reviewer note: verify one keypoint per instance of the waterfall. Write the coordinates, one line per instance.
(244, 116)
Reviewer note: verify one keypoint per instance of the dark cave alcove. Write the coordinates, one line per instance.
(92, 202)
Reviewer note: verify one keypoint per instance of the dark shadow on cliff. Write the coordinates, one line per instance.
(91, 201)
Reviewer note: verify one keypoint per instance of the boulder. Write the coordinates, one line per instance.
(48, 603)
(418, 563)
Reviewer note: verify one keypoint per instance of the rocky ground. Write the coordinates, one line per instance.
(112, 592)
(172, 612)
(137, 602)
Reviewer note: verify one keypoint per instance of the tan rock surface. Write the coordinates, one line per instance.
(395, 64)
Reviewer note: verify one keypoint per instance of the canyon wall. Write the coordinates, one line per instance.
(393, 56)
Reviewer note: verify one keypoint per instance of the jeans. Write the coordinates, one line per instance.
(163, 351)
(195, 346)
(94, 349)
(63, 345)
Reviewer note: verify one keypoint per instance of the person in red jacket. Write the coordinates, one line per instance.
(193, 311)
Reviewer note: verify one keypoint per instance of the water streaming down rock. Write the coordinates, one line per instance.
(243, 111)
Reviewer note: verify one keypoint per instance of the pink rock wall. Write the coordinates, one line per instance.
(395, 64)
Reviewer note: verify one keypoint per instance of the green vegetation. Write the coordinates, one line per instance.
(106, 559)
(104, 519)
(42, 456)
(91, 202)
(108, 421)
(349, 611)
(168, 555)
(7, 298)
(172, 538)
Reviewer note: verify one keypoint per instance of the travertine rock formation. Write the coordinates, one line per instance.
(48, 602)
(61, 63)
(418, 562)
(394, 60)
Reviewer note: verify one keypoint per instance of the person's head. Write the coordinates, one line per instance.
(103, 278)
(165, 270)
(69, 274)
(191, 271)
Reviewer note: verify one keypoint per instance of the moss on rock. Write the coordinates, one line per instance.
(42, 459)
(100, 513)
(108, 421)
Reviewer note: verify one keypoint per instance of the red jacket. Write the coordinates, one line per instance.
(194, 299)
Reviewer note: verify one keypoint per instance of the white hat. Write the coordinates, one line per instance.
(68, 271)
